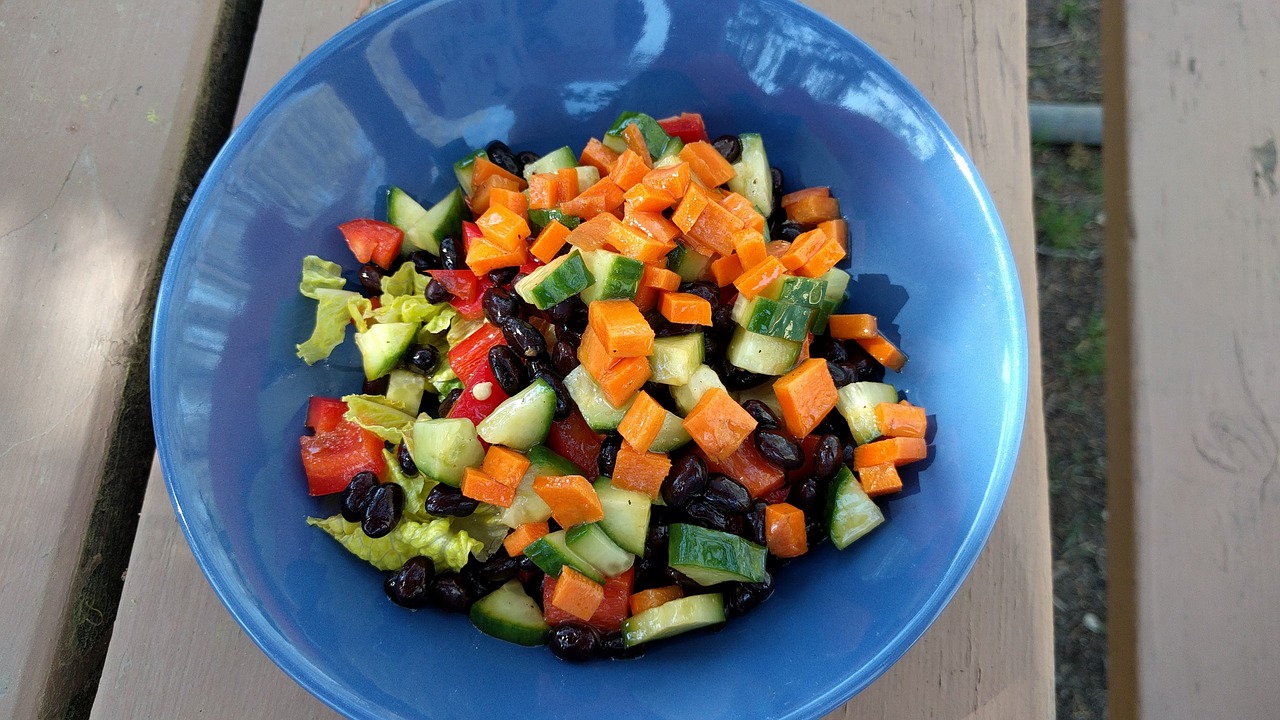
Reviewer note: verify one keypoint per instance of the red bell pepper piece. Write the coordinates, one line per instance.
(751, 470)
(469, 356)
(575, 441)
(470, 233)
(473, 309)
(612, 611)
(686, 126)
(472, 408)
(331, 458)
(373, 240)
(463, 284)
(324, 414)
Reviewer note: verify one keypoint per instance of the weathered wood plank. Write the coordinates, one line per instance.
(1193, 385)
(991, 653)
(94, 140)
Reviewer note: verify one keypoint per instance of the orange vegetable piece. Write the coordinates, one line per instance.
(751, 282)
(513, 200)
(725, 270)
(639, 471)
(484, 257)
(718, 424)
(635, 142)
(777, 248)
(884, 351)
(599, 156)
(646, 297)
(643, 421)
(623, 378)
(592, 234)
(685, 308)
(901, 420)
(484, 169)
(592, 355)
(803, 249)
(635, 243)
(571, 498)
(798, 195)
(838, 230)
(550, 240)
(851, 327)
(691, 207)
(879, 480)
(648, 198)
(813, 209)
(479, 486)
(830, 253)
(630, 169)
(519, 539)
(602, 197)
(897, 451)
(674, 179)
(577, 594)
(805, 395)
(659, 278)
(714, 228)
(746, 465)
(503, 228)
(744, 211)
(504, 465)
(653, 597)
(707, 163)
(567, 179)
(748, 244)
(653, 224)
(621, 328)
(544, 191)
(784, 530)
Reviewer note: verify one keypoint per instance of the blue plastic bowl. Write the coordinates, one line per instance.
(396, 98)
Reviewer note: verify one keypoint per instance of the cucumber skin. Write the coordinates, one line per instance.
(846, 495)
(627, 536)
(498, 429)
(560, 280)
(490, 614)
(693, 549)
(639, 629)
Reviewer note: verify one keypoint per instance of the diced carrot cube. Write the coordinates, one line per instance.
(685, 308)
(479, 486)
(659, 278)
(643, 421)
(803, 249)
(567, 180)
(777, 248)
(602, 197)
(880, 479)
(544, 191)
(593, 355)
(577, 594)
(639, 471)
(549, 242)
(691, 207)
(899, 420)
(718, 424)
(714, 228)
(571, 498)
(629, 169)
(744, 211)
(621, 328)
(653, 224)
(623, 378)
(599, 156)
(798, 195)
(503, 228)
(513, 200)
(806, 395)
(653, 597)
(897, 451)
(884, 351)
(725, 270)
(592, 234)
(830, 253)
(647, 198)
(784, 530)
(636, 244)
(837, 230)
(748, 245)
(504, 465)
(812, 209)
(707, 163)
(483, 257)
(483, 169)
(674, 179)
(752, 282)
(635, 142)
(852, 327)
(519, 539)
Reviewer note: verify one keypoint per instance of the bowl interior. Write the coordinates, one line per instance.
(395, 99)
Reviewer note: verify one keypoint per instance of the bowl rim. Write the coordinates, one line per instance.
(342, 699)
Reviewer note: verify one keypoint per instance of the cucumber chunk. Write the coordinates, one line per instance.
(673, 618)
(688, 264)
(558, 159)
(675, 358)
(528, 506)
(428, 229)
(671, 435)
(616, 277)
(688, 395)
(593, 544)
(753, 180)
(655, 138)
(540, 218)
(710, 556)
(626, 515)
(850, 512)
(764, 393)
(406, 388)
(522, 420)
(558, 280)
(465, 168)
(762, 354)
(797, 290)
(857, 403)
(509, 614)
(551, 553)
(588, 175)
(775, 318)
(445, 447)
(600, 415)
(382, 346)
(837, 284)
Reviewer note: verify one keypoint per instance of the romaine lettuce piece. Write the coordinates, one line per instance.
(331, 325)
(402, 282)
(320, 273)
(448, 548)
(379, 416)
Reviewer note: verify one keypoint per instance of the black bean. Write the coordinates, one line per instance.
(496, 570)
(523, 337)
(755, 522)
(650, 572)
(370, 277)
(499, 304)
(815, 533)
(424, 261)
(846, 453)
(823, 346)
(863, 366)
(735, 378)
(424, 358)
(382, 514)
(663, 327)
(405, 460)
(446, 501)
(661, 394)
(408, 586)
(564, 357)
(453, 256)
(539, 366)
(608, 454)
(501, 155)
(507, 368)
(527, 156)
(450, 398)
(564, 401)
(376, 387)
(578, 323)
(502, 276)
(561, 313)
(707, 515)
(574, 642)
(685, 582)
(612, 646)
(687, 480)
(729, 147)
(826, 457)
(790, 230)
(839, 374)
(743, 597)
(810, 495)
(451, 593)
(355, 498)
(722, 321)
(764, 415)
(436, 293)
(657, 540)
(726, 495)
(532, 584)
(775, 176)
(573, 338)
(778, 449)
(704, 290)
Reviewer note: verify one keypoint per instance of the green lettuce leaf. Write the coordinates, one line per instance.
(331, 325)
(402, 282)
(435, 317)
(459, 330)
(415, 488)
(485, 525)
(379, 415)
(360, 309)
(438, 540)
(320, 273)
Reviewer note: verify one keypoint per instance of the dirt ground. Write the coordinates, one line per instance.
(1064, 65)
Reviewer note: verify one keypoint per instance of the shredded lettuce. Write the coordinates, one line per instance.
(331, 325)
(402, 282)
(320, 273)
(379, 415)
(435, 317)
(446, 547)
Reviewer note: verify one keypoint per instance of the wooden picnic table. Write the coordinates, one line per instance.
(112, 111)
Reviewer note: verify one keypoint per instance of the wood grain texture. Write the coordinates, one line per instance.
(1194, 386)
(990, 655)
(93, 141)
